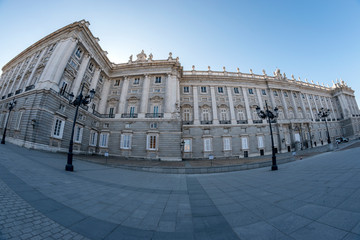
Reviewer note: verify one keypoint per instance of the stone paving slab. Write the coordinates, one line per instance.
(315, 198)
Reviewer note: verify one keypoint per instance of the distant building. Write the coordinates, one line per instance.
(153, 109)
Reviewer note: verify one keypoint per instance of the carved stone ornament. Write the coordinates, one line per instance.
(170, 56)
(150, 57)
(141, 57)
(193, 67)
(224, 69)
(208, 68)
(264, 72)
(251, 71)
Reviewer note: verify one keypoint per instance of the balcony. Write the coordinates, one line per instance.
(205, 122)
(334, 119)
(188, 122)
(242, 121)
(3, 97)
(108, 115)
(28, 88)
(225, 122)
(317, 120)
(18, 91)
(257, 121)
(273, 121)
(129, 115)
(10, 94)
(154, 115)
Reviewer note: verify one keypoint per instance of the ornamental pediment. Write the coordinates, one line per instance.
(133, 99)
(156, 98)
(186, 106)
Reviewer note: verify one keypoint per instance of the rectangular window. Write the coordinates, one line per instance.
(203, 89)
(93, 138)
(187, 145)
(125, 142)
(132, 111)
(294, 94)
(303, 96)
(58, 128)
(260, 142)
(91, 67)
(285, 94)
(251, 91)
(227, 145)
(263, 91)
(156, 109)
(244, 143)
(158, 80)
(236, 90)
(275, 93)
(186, 89)
(220, 90)
(78, 134)
(18, 120)
(152, 142)
(111, 111)
(136, 81)
(104, 139)
(117, 83)
(207, 145)
(78, 52)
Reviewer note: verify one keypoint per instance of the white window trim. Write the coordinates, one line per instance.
(244, 143)
(227, 143)
(18, 120)
(122, 141)
(260, 142)
(77, 129)
(208, 145)
(189, 144)
(93, 143)
(148, 142)
(61, 130)
(101, 142)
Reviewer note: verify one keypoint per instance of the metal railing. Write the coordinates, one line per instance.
(188, 122)
(30, 87)
(225, 122)
(242, 121)
(18, 91)
(206, 122)
(154, 115)
(129, 115)
(257, 121)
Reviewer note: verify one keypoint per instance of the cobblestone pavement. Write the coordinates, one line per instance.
(314, 198)
(19, 220)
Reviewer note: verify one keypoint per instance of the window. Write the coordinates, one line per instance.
(294, 94)
(101, 78)
(58, 128)
(157, 90)
(187, 145)
(153, 125)
(91, 67)
(156, 109)
(236, 90)
(285, 94)
(18, 120)
(78, 134)
(186, 114)
(111, 111)
(220, 90)
(125, 142)
(303, 96)
(104, 139)
(73, 64)
(226, 143)
(106, 125)
(151, 142)
(275, 93)
(205, 114)
(207, 145)
(158, 80)
(310, 97)
(223, 114)
(132, 111)
(260, 141)
(117, 83)
(241, 115)
(186, 89)
(251, 91)
(136, 81)
(93, 138)
(244, 143)
(78, 52)
(263, 91)
(203, 89)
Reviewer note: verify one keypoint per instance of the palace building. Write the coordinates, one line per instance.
(154, 109)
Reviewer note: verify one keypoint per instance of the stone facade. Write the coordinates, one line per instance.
(153, 109)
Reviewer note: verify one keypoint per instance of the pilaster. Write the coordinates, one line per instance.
(213, 105)
(196, 106)
(247, 107)
(231, 106)
(170, 95)
(104, 96)
(284, 104)
(144, 97)
(80, 74)
(123, 95)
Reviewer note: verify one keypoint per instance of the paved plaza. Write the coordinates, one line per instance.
(317, 197)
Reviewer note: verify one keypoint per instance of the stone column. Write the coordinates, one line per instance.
(271, 96)
(54, 68)
(294, 104)
(104, 96)
(231, 106)
(123, 96)
(170, 96)
(12, 76)
(213, 105)
(196, 106)
(29, 80)
(310, 108)
(15, 77)
(317, 109)
(302, 105)
(332, 109)
(284, 104)
(21, 83)
(261, 104)
(95, 78)
(80, 74)
(247, 107)
(144, 97)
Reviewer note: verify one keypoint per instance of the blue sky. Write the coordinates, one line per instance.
(318, 40)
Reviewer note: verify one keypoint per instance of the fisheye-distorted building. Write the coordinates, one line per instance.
(149, 108)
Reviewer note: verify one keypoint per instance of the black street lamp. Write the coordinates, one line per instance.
(80, 99)
(324, 113)
(269, 115)
(11, 106)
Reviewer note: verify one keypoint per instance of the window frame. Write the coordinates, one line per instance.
(101, 140)
(209, 144)
(236, 90)
(58, 131)
(78, 133)
(152, 142)
(251, 91)
(158, 79)
(125, 141)
(187, 142)
(226, 143)
(93, 138)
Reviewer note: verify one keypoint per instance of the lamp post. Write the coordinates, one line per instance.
(269, 115)
(11, 106)
(80, 99)
(324, 113)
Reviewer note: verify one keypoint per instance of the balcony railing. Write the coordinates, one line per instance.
(225, 122)
(154, 115)
(3, 97)
(333, 119)
(242, 121)
(129, 115)
(28, 88)
(206, 122)
(18, 91)
(100, 115)
(10, 94)
(257, 121)
(317, 120)
(188, 122)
